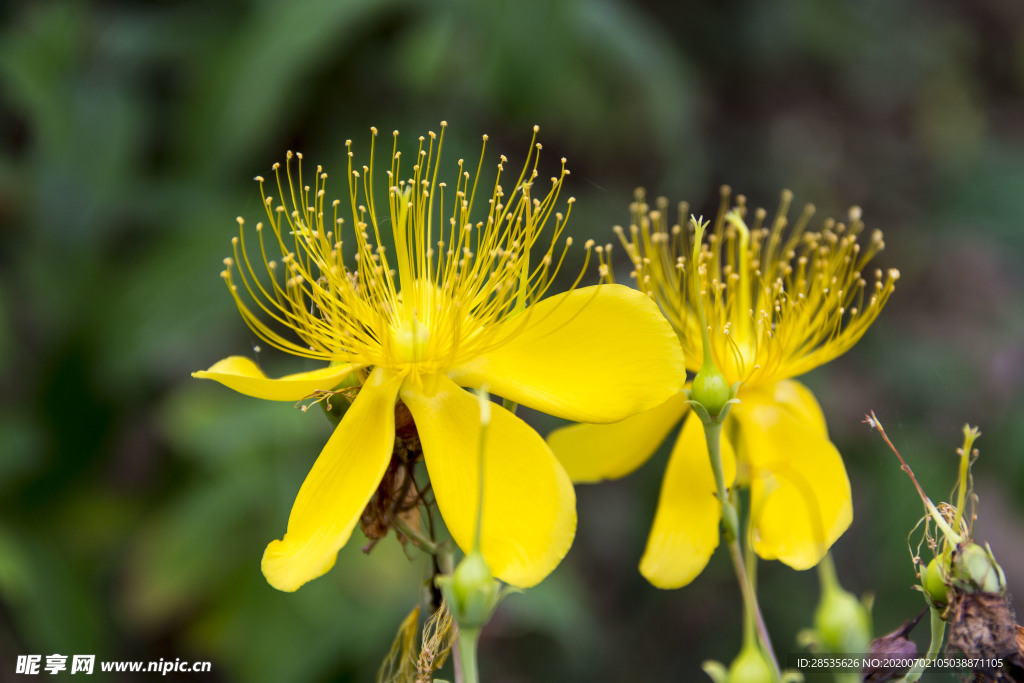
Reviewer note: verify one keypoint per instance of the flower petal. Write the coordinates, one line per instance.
(592, 452)
(529, 506)
(791, 396)
(337, 489)
(245, 377)
(800, 494)
(685, 531)
(596, 354)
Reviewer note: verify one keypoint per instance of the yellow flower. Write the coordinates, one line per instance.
(779, 302)
(430, 307)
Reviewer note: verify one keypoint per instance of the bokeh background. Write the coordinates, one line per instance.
(135, 502)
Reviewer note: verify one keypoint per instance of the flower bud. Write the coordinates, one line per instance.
(976, 569)
(934, 582)
(842, 622)
(710, 389)
(750, 667)
(475, 591)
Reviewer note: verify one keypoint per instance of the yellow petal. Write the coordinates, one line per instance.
(685, 531)
(245, 377)
(591, 452)
(529, 513)
(800, 494)
(596, 354)
(337, 489)
(791, 396)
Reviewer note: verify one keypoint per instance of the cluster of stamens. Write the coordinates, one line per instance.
(409, 292)
(780, 299)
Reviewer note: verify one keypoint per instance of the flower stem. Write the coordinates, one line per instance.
(827, 573)
(938, 632)
(418, 538)
(468, 635)
(730, 519)
(750, 618)
(730, 524)
(963, 481)
(750, 605)
(940, 521)
(713, 436)
(467, 640)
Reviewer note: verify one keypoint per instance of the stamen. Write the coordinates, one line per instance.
(783, 299)
(411, 307)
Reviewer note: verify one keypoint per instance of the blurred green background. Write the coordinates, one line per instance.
(135, 502)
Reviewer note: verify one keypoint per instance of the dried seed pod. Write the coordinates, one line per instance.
(982, 627)
(892, 647)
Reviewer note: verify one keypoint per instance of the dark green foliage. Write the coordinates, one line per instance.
(135, 502)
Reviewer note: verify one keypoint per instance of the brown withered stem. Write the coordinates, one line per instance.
(396, 504)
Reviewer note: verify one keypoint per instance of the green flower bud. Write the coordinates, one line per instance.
(710, 389)
(976, 569)
(475, 591)
(842, 622)
(934, 583)
(750, 666)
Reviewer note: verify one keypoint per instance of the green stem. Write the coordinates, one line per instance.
(965, 461)
(750, 605)
(749, 618)
(467, 639)
(827, 573)
(730, 519)
(970, 435)
(938, 633)
(963, 482)
(421, 541)
(941, 522)
(713, 435)
(730, 524)
(445, 560)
